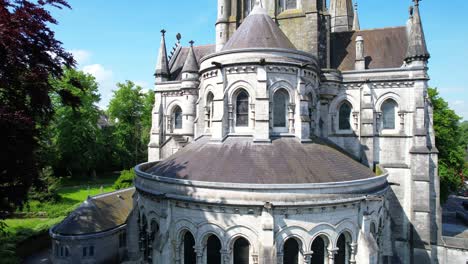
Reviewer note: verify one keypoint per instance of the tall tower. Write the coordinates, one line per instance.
(342, 15)
(222, 24)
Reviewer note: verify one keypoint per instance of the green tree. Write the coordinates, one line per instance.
(75, 130)
(29, 55)
(128, 112)
(449, 142)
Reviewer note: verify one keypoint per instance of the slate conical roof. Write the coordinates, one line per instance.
(162, 65)
(417, 49)
(191, 64)
(258, 31)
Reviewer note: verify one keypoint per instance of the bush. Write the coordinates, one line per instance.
(47, 188)
(125, 179)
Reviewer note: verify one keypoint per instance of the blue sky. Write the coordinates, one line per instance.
(118, 40)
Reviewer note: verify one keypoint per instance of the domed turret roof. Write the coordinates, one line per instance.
(258, 31)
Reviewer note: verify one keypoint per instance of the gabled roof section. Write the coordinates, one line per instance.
(258, 31)
(383, 47)
(98, 214)
(179, 61)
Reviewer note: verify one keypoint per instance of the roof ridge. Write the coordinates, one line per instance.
(373, 29)
(102, 195)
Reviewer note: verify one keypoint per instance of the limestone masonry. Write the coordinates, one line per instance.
(296, 138)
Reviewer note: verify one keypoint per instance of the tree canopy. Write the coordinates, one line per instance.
(130, 114)
(75, 131)
(449, 142)
(29, 54)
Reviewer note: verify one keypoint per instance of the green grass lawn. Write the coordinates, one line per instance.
(48, 214)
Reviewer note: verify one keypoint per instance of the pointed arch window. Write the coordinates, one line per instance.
(291, 251)
(389, 114)
(319, 249)
(344, 118)
(177, 117)
(213, 250)
(190, 257)
(241, 251)
(209, 109)
(242, 109)
(343, 254)
(280, 108)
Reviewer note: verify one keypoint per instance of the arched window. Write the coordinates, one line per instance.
(241, 251)
(344, 119)
(154, 230)
(388, 114)
(319, 249)
(311, 108)
(342, 256)
(287, 4)
(190, 257)
(291, 252)
(213, 250)
(177, 117)
(242, 109)
(373, 230)
(209, 109)
(280, 108)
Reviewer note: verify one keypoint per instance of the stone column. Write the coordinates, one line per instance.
(225, 257)
(291, 107)
(177, 252)
(252, 115)
(353, 247)
(279, 258)
(331, 255)
(199, 252)
(378, 118)
(255, 258)
(308, 257)
(231, 118)
(169, 123)
(207, 119)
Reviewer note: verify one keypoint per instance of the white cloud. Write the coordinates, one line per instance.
(105, 79)
(458, 102)
(81, 56)
(99, 72)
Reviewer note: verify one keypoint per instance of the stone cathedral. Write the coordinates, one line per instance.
(296, 138)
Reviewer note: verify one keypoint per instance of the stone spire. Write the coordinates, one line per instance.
(417, 49)
(191, 64)
(356, 25)
(162, 66)
(342, 15)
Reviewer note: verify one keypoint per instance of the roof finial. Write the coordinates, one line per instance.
(163, 32)
(191, 43)
(178, 37)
